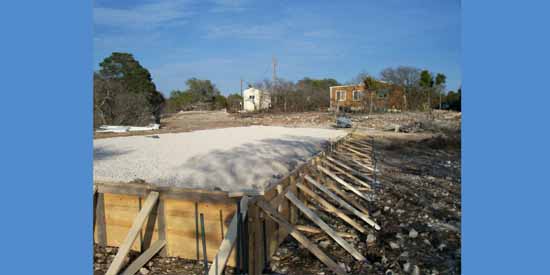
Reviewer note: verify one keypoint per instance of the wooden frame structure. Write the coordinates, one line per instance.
(240, 230)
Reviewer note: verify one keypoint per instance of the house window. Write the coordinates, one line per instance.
(340, 95)
(251, 97)
(357, 95)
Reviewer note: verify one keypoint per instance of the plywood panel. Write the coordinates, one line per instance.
(181, 227)
(120, 211)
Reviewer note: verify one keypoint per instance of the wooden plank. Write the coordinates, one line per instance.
(345, 196)
(343, 203)
(344, 183)
(360, 144)
(325, 227)
(259, 247)
(356, 152)
(331, 208)
(315, 230)
(342, 157)
(221, 258)
(161, 219)
(149, 228)
(141, 190)
(294, 189)
(334, 167)
(101, 228)
(362, 150)
(348, 155)
(364, 165)
(301, 238)
(123, 250)
(94, 214)
(252, 240)
(144, 257)
(343, 165)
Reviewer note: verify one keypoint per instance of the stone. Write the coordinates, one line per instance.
(386, 208)
(413, 234)
(394, 245)
(371, 239)
(416, 270)
(404, 254)
(407, 267)
(344, 267)
(324, 244)
(144, 271)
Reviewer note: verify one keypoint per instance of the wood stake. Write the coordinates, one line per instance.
(229, 241)
(124, 248)
(325, 227)
(315, 230)
(144, 257)
(301, 238)
(343, 203)
(344, 183)
(331, 208)
(347, 174)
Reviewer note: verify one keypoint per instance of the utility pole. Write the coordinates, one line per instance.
(242, 95)
(440, 99)
(274, 63)
(274, 79)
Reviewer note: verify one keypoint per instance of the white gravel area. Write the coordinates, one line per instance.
(229, 159)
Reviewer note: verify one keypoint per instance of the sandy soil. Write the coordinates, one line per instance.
(228, 159)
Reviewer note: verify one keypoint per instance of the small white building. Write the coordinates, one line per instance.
(255, 99)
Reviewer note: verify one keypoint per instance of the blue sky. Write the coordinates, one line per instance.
(225, 40)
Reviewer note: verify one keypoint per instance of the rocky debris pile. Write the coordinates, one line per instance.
(305, 119)
(418, 206)
(411, 122)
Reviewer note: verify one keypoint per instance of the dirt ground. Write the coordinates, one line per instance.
(418, 203)
(408, 122)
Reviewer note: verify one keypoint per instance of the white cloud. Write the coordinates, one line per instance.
(149, 15)
(273, 31)
(228, 5)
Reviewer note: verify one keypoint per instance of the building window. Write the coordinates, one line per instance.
(251, 97)
(340, 95)
(357, 95)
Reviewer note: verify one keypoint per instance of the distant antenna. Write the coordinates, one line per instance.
(274, 62)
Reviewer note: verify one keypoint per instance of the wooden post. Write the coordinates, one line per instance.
(124, 248)
(101, 226)
(293, 214)
(229, 241)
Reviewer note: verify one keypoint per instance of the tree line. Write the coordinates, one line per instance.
(124, 93)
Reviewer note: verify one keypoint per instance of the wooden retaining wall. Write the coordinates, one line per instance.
(175, 218)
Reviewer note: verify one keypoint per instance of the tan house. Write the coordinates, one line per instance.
(359, 98)
(347, 97)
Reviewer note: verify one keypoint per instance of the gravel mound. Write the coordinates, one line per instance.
(228, 159)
